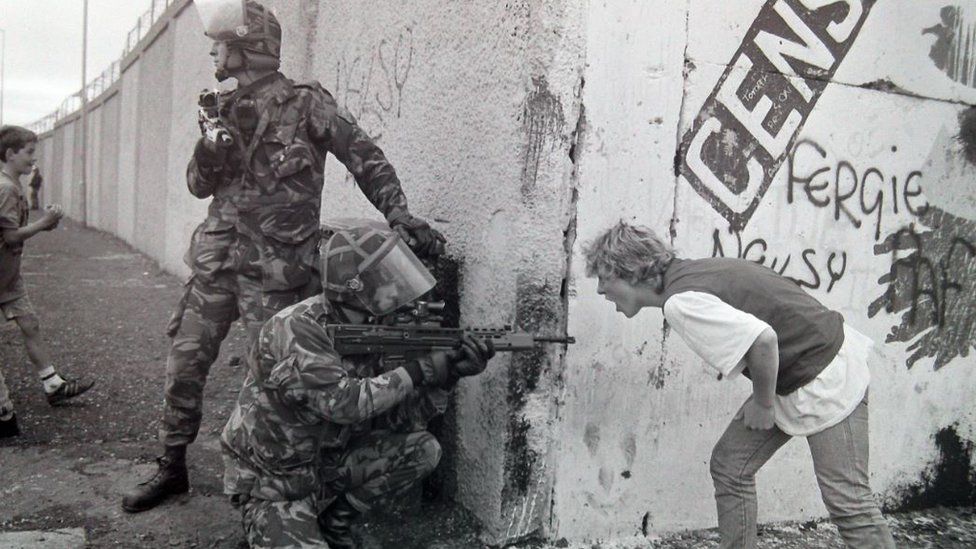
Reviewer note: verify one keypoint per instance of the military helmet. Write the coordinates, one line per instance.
(368, 266)
(245, 24)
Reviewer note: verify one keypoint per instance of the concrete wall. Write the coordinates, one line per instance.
(826, 207)
(479, 124)
(522, 129)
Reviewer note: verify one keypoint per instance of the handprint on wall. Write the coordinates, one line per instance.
(932, 282)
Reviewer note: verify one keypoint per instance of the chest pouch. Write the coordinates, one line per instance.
(245, 115)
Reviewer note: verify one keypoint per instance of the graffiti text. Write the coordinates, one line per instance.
(854, 196)
(743, 131)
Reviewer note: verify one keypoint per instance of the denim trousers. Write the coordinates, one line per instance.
(840, 461)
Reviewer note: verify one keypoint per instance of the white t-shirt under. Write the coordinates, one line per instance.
(721, 335)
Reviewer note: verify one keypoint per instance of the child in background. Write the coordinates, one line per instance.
(17, 147)
(35, 183)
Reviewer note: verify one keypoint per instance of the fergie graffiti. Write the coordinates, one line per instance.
(933, 285)
(852, 195)
(742, 133)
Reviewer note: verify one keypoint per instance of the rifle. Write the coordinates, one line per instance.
(400, 340)
(208, 116)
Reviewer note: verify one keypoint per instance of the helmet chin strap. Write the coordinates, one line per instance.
(343, 308)
(246, 66)
(233, 63)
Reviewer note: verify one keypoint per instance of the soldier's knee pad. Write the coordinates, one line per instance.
(429, 452)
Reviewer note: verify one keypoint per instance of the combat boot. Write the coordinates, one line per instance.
(170, 479)
(335, 523)
(8, 427)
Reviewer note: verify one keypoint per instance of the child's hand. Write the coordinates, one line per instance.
(52, 215)
(756, 417)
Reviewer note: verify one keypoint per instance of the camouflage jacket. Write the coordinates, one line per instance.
(267, 194)
(301, 403)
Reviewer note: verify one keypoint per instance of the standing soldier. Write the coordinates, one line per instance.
(35, 186)
(317, 438)
(262, 164)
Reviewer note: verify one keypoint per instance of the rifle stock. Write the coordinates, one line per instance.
(368, 338)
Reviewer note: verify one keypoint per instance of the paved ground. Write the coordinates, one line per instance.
(103, 309)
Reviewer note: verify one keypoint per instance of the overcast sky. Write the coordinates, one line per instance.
(42, 64)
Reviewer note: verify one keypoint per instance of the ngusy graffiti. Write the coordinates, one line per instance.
(749, 121)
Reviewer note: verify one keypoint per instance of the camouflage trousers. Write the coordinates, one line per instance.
(374, 468)
(206, 312)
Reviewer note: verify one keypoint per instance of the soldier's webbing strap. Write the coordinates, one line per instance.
(258, 132)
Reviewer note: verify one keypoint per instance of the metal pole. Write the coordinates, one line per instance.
(83, 202)
(3, 58)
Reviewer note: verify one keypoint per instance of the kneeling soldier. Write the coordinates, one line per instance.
(317, 438)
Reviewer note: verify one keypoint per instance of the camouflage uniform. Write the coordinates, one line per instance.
(310, 425)
(254, 253)
(35, 186)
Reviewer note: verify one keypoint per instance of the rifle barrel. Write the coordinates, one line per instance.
(553, 339)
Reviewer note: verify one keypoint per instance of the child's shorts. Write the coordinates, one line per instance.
(20, 306)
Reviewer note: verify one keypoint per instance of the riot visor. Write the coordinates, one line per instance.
(223, 20)
(392, 277)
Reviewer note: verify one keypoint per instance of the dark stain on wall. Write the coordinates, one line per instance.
(954, 50)
(542, 121)
(539, 310)
(657, 376)
(967, 133)
(520, 459)
(887, 86)
(932, 282)
(442, 483)
(447, 271)
(950, 481)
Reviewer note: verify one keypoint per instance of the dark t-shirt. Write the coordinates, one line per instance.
(13, 215)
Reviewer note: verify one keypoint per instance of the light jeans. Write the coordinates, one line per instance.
(840, 460)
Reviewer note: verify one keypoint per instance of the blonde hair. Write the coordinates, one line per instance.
(629, 252)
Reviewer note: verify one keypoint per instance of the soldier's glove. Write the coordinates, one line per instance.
(209, 154)
(473, 356)
(435, 369)
(444, 368)
(424, 240)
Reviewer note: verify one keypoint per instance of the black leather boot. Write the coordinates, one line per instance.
(8, 427)
(170, 479)
(335, 524)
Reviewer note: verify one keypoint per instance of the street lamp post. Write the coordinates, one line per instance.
(83, 198)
